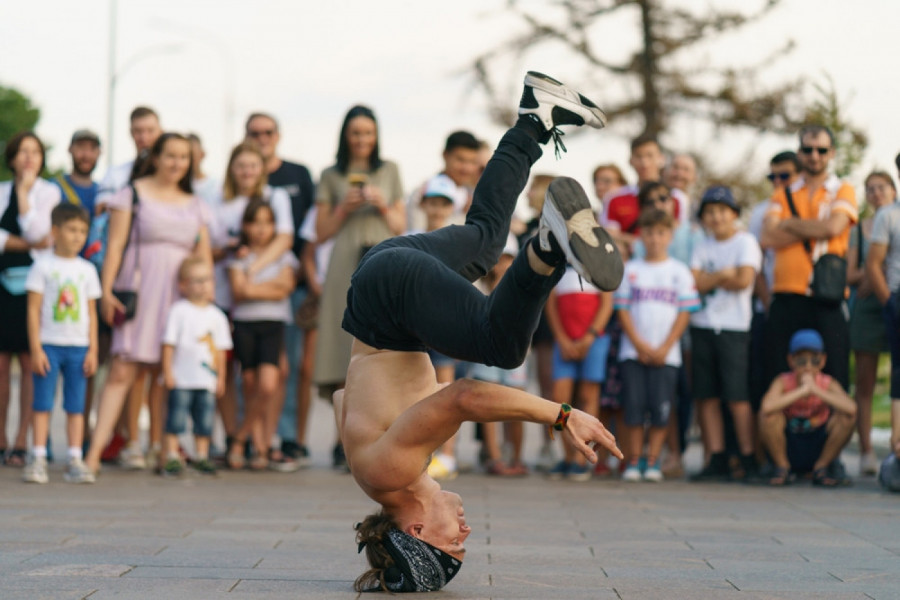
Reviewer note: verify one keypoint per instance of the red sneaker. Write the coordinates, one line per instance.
(111, 452)
(601, 469)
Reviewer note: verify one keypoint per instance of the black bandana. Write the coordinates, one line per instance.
(418, 566)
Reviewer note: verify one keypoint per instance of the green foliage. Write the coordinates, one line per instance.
(850, 142)
(17, 113)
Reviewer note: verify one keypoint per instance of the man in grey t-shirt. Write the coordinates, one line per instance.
(883, 271)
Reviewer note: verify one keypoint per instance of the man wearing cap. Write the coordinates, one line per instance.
(806, 417)
(724, 266)
(77, 187)
(824, 209)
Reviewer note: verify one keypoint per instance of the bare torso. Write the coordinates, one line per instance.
(381, 384)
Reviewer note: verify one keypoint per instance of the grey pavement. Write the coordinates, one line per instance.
(269, 535)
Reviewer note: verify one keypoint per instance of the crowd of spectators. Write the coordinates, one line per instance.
(222, 302)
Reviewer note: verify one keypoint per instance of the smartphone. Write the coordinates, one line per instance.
(357, 179)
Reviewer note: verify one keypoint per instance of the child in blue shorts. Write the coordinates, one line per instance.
(578, 314)
(62, 328)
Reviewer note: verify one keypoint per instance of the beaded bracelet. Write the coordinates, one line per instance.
(561, 419)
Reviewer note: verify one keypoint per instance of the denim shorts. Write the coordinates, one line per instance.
(68, 360)
(201, 404)
(591, 368)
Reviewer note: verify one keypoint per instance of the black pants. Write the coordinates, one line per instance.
(790, 312)
(414, 292)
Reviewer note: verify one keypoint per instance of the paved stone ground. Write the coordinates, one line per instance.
(267, 535)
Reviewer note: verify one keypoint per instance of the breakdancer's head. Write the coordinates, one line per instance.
(415, 544)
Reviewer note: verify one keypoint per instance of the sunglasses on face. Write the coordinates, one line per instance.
(261, 132)
(779, 176)
(810, 149)
(802, 361)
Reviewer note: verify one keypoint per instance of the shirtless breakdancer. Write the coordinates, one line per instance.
(414, 292)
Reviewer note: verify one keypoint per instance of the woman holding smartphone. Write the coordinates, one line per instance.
(148, 239)
(360, 203)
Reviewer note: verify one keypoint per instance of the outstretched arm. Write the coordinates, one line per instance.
(423, 427)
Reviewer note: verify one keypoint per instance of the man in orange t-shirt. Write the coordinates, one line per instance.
(826, 208)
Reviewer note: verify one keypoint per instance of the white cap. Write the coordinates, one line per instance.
(444, 187)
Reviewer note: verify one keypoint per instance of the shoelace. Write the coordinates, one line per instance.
(557, 134)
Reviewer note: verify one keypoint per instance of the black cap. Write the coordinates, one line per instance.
(85, 134)
(718, 194)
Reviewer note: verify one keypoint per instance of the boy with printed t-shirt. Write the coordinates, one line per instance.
(806, 417)
(653, 302)
(62, 325)
(724, 267)
(196, 338)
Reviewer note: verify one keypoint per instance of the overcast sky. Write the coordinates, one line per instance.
(308, 61)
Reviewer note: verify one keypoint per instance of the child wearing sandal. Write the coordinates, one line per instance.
(260, 311)
(806, 417)
(195, 340)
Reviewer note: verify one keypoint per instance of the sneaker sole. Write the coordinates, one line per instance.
(590, 250)
(566, 98)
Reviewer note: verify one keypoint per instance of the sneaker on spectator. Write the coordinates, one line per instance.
(35, 471)
(546, 458)
(153, 459)
(631, 473)
(654, 473)
(77, 472)
(173, 468)
(442, 467)
(868, 464)
(296, 452)
(579, 472)
(113, 449)
(281, 462)
(131, 457)
(560, 471)
(338, 458)
(602, 470)
(205, 467)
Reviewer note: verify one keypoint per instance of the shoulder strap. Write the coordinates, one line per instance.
(67, 189)
(859, 244)
(133, 226)
(790, 200)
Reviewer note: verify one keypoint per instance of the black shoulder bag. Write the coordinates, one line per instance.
(829, 280)
(129, 298)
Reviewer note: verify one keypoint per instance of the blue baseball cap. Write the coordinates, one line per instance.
(718, 194)
(806, 339)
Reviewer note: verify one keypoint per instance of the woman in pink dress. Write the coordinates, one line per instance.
(169, 224)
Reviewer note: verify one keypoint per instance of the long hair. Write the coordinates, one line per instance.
(343, 153)
(15, 142)
(230, 190)
(372, 532)
(149, 168)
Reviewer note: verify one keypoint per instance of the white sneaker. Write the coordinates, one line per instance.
(132, 457)
(868, 464)
(35, 471)
(555, 104)
(631, 474)
(77, 472)
(442, 467)
(567, 214)
(653, 474)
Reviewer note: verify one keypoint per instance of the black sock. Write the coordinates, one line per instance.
(554, 257)
(532, 125)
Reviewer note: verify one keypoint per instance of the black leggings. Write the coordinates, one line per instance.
(414, 292)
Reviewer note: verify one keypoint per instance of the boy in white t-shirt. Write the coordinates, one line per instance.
(653, 302)
(724, 267)
(62, 328)
(196, 337)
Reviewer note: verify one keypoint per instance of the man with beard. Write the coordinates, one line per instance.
(145, 130)
(824, 211)
(77, 187)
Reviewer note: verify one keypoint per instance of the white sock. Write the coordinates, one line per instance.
(39, 451)
(75, 452)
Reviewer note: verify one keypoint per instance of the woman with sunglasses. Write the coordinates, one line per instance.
(867, 335)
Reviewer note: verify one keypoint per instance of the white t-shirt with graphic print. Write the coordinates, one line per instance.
(66, 284)
(655, 293)
(197, 333)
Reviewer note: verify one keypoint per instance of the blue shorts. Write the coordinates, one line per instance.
(648, 393)
(202, 406)
(68, 360)
(517, 378)
(591, 368)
